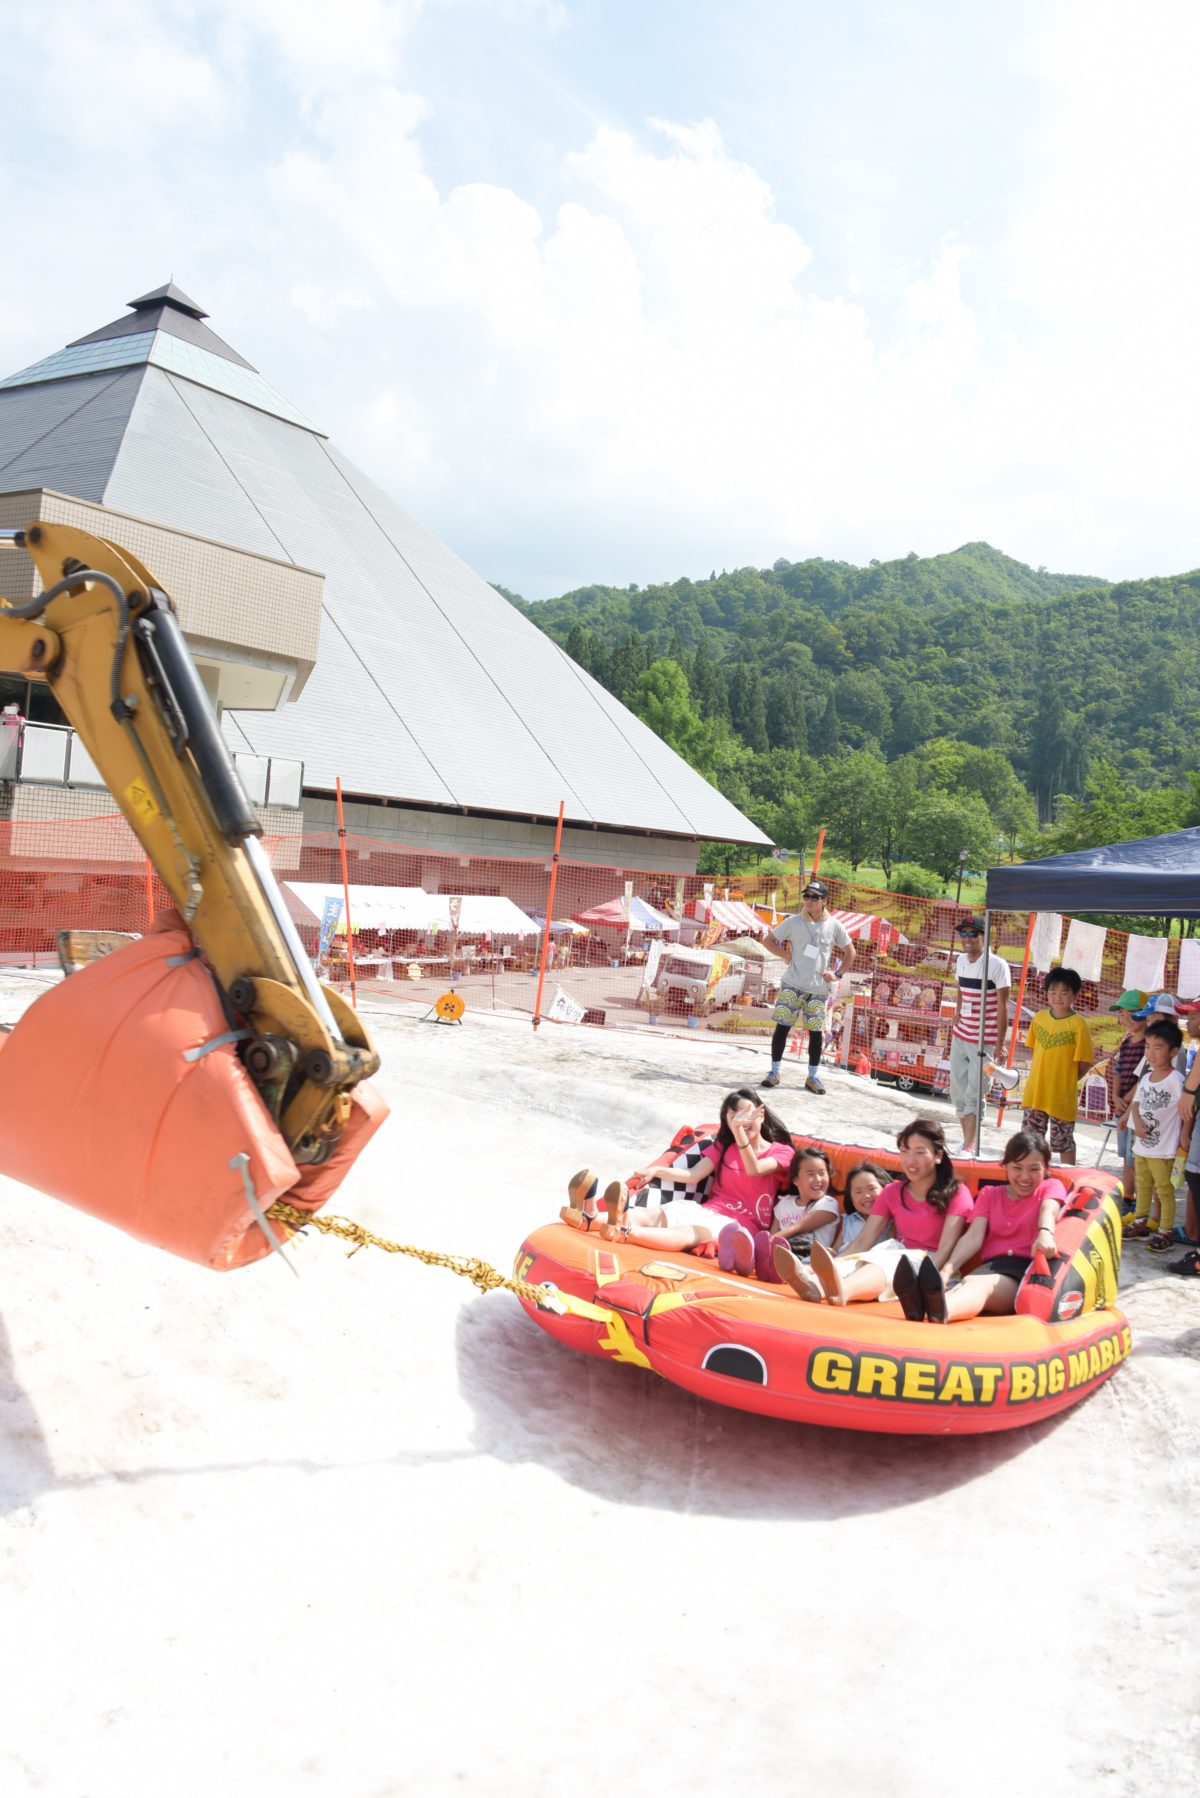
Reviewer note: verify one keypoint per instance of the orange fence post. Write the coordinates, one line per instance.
(1016, 1025)
(537, 1004)
(817, 853)
(149, 877)
(346, 895)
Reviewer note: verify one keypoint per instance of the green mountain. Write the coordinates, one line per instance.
(1056, 673)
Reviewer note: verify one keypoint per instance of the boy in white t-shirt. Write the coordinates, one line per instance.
(1157, 1128)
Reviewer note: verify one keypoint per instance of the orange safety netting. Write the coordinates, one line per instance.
(424, 921)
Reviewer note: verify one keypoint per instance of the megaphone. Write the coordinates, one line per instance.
(1006, 1078)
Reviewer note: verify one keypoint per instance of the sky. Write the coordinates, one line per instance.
(623, 290)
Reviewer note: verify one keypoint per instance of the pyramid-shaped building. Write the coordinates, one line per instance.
(431, 698)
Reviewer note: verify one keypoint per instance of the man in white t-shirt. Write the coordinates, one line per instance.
(809, 940)
(964, 1031)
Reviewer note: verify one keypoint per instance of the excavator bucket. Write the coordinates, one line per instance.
(123, 1094)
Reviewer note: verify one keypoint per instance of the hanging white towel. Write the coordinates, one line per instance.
(1145, 963)
(1047, 934)
(1084, 949)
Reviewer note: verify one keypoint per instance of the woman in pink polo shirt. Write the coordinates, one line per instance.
(928, 1209)
(750, 1163)
(1011, 1222)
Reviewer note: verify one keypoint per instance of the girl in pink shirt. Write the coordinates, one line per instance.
(1010, 1222)
(750, 1163)
(928, 1210)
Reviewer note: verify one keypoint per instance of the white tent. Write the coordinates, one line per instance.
(411, 908)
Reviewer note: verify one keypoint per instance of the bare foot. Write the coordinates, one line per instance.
(828, 1273)
(793, 1273)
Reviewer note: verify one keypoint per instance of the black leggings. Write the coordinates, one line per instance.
(816, 1043)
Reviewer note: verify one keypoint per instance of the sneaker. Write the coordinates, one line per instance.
(735, 1250)
(771, 1080)
(813, 1085)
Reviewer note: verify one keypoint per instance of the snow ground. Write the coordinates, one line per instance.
(368, 1532)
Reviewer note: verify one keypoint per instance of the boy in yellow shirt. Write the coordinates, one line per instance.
(1062, 1055)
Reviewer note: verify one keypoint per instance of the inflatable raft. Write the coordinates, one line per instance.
(759, 1348)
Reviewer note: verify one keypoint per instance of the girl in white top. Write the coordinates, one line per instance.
(864, 1183)
(811, 1212)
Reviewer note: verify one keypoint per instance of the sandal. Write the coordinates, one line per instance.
(580, 1219)
(1135, 1227)
(1188, 1265)
(1162, 1239)
(616, 1204)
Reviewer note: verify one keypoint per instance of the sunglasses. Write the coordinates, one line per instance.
(970, 933)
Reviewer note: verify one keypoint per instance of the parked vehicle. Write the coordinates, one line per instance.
(685, 980)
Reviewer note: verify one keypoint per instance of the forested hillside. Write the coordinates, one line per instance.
(968, 677)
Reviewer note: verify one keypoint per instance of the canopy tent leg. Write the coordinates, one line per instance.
(981, 1084)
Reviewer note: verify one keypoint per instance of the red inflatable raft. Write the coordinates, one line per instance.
(861, 1367)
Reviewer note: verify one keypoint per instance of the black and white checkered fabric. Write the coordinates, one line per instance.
(662, 1189)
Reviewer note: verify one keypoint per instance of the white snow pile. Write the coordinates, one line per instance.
(366, 1532)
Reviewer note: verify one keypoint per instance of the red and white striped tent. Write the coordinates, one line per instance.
(864, 927)
(730, 914)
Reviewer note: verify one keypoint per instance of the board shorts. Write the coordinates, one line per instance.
(1059, 1132)
(807, 1009)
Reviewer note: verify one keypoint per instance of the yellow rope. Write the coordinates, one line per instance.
(481, 1273)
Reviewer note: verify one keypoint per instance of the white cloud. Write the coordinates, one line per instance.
(654, 373)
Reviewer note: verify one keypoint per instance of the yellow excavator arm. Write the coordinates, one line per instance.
(105, 638)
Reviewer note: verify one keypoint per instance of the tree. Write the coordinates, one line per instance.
(825, 735)
(941, 826)
(904, 784)
(746, 709)
(787, 727)
(662, 700)
(853, 801)
(1111, 811)
(708, 685)
(863, 707)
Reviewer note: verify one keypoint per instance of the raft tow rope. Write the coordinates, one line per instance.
(480, 1273)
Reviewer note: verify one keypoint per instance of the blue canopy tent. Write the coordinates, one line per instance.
(1156, 876)
(1152, 875)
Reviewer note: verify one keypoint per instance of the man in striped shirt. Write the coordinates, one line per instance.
(964, 1032)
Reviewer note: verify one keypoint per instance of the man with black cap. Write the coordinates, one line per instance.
(809, 940)
(964, 1031)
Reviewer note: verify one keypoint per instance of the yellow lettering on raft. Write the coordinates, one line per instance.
(920, 1379)
(989, 1378)
(876, 1373)
(1058, 1375)
(1106, 1351)
(1095, 1365)
(831, 1371)
(1022, 1382)
(957, 1385)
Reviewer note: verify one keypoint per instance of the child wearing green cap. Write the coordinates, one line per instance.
(1122, 1076)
